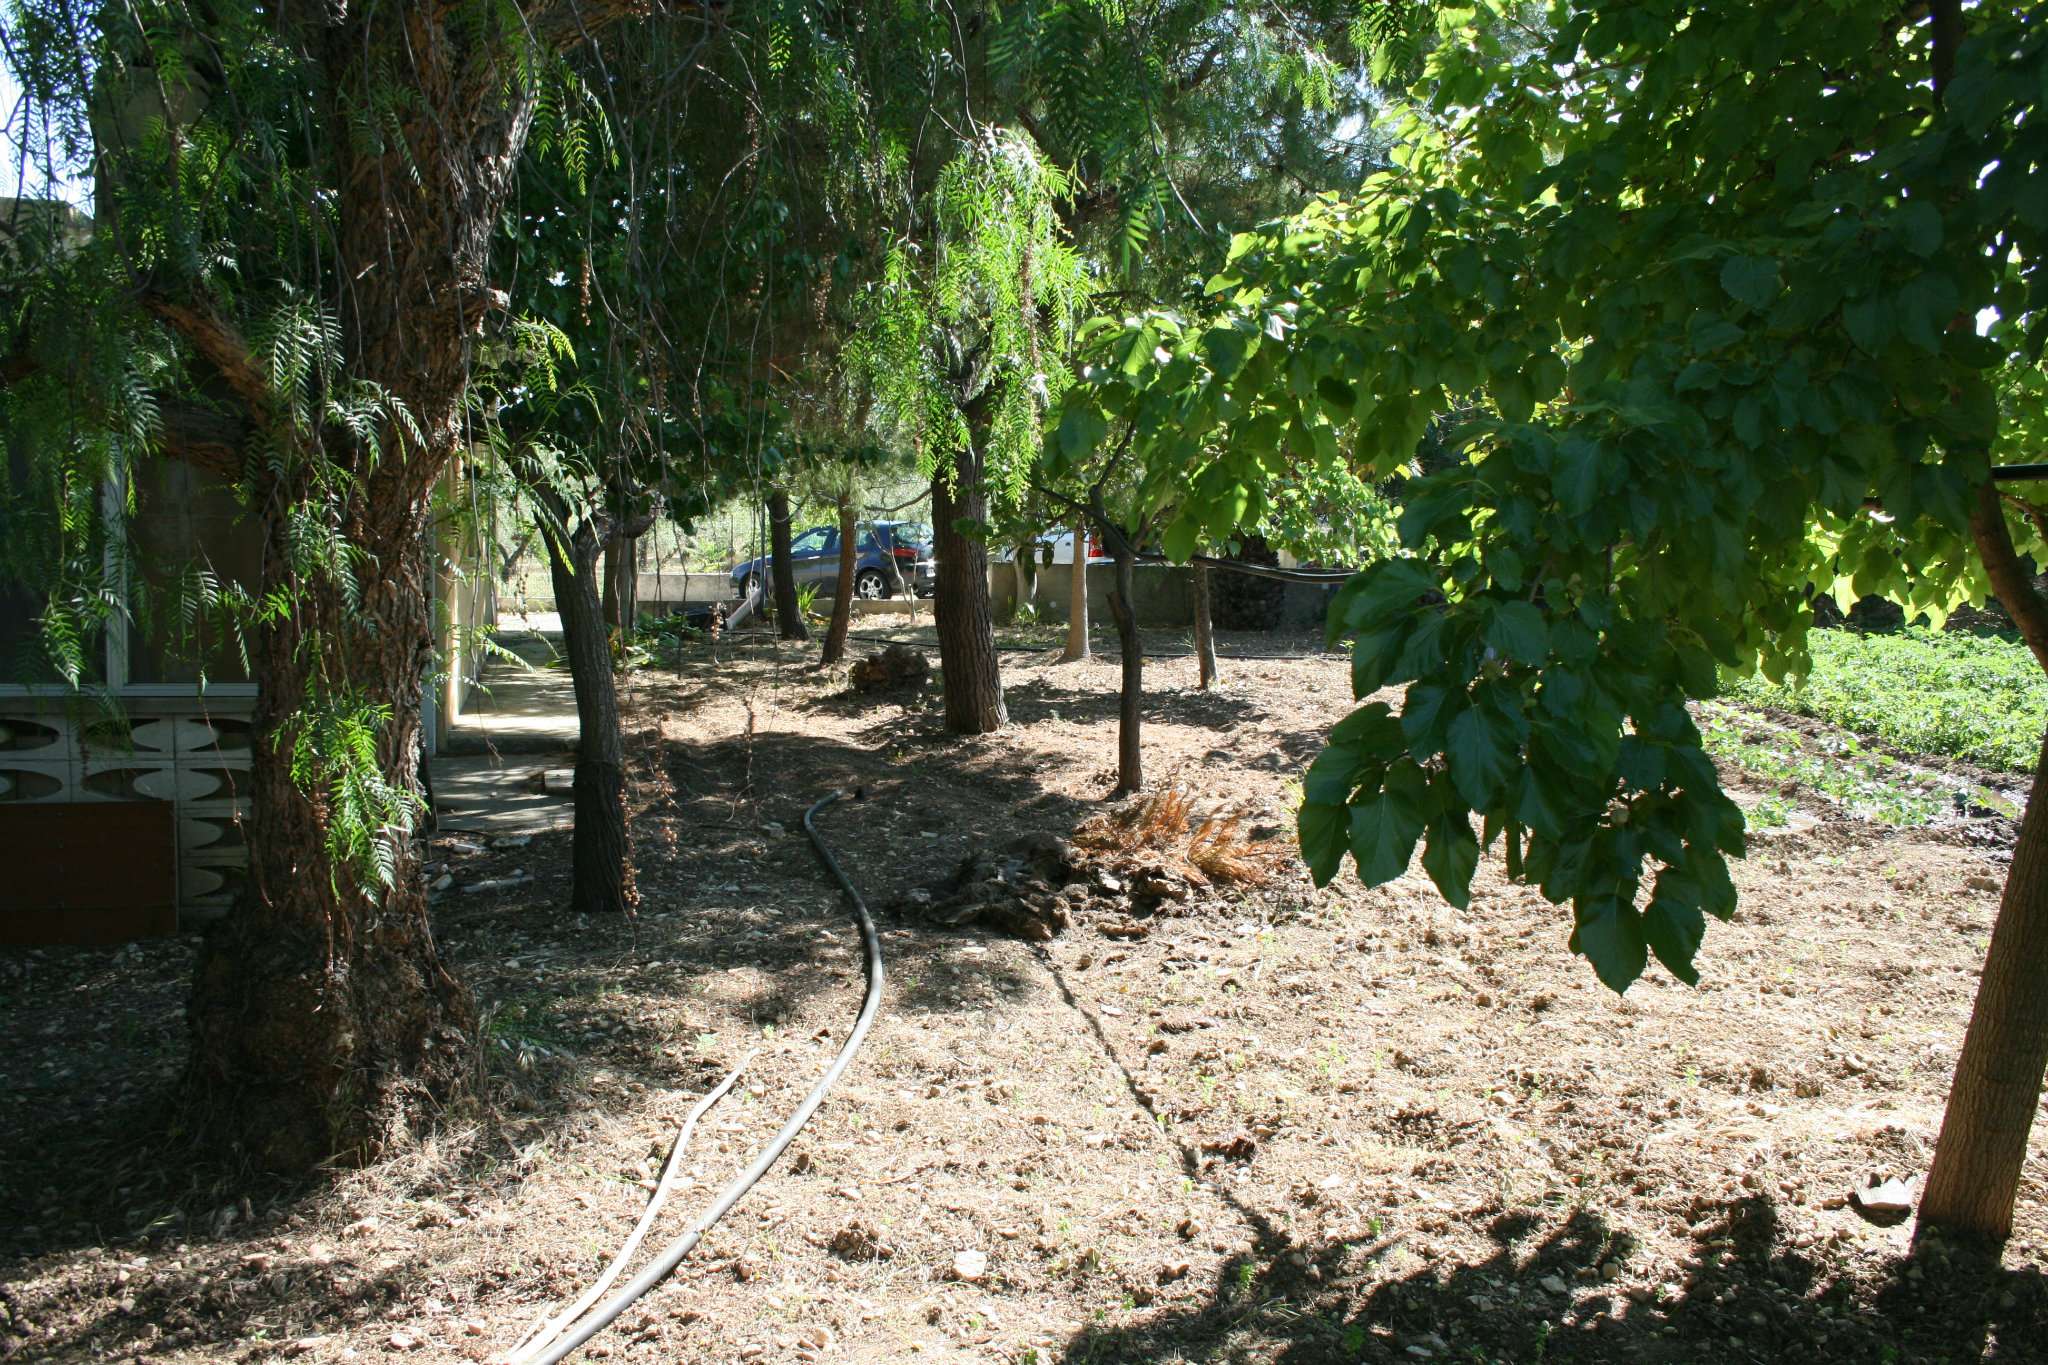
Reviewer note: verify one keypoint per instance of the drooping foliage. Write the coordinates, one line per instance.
(1712, 276)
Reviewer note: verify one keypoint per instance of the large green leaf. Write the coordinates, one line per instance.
(1752, 280)
(1481, 753)
(1451, 856)
(1383, 834)
(1517, 629)
(1610, 934)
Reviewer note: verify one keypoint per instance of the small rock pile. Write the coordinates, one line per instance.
(1146, 858)
(898, 666)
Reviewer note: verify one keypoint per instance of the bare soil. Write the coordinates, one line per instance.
(1279, 1126)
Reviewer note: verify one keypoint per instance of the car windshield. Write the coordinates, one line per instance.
(913, 533)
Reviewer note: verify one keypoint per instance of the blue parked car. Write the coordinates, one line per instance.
(814, 558)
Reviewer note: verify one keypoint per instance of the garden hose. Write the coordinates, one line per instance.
(672, 1255)
(548, 1329)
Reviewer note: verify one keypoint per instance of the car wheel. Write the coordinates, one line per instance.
(870, 586)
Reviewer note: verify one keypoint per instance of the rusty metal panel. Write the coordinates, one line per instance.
(87, 872)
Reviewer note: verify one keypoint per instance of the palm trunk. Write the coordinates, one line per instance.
(601, 875)
(842, 596)
(1077, 599)
(1205, 631)
(973, 682)
(789, 617)
(1130, 764)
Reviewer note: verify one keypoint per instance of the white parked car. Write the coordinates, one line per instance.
(1062, 549)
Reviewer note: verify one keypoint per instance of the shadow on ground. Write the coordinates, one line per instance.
(1749, 1297)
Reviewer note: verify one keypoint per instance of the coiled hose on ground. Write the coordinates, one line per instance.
(672, 1255)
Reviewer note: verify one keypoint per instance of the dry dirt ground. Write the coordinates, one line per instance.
(1282, 1126)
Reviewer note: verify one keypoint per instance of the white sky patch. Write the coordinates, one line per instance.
(22, 176)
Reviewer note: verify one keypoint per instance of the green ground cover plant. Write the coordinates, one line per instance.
(1966, 695)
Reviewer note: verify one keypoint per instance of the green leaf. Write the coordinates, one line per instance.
(1451, 856)
(1919, 225)
(1674, 924)
(1751, 280)
(1578, 473)
(1331, 778)
(1181, 538)
(1517, 630)
(1869, 320)
(1372, 658)
(1323, 845)
(1383, 835)
(1481, 753)
(1610, 934)
(1701, 374)
(1390, 587)
(1336, 393)
(1081, 429)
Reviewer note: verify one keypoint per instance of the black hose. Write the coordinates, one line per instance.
(663, 1265)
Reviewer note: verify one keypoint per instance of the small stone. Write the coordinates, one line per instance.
(399, 1341)
(1553, 1284)
(1887, 1198)
(971, 1266)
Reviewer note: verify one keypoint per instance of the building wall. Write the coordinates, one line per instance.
(1165, 595)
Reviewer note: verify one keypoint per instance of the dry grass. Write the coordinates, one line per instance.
(1213, 848)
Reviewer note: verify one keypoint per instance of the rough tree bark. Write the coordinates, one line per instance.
(621, 602)
(1130, 761)
(601, 878)
(842, 592)
(1077, 599)
(1982, 1151)
(322, 1018)
(789, 617)
(1205, 630)
(973, 681)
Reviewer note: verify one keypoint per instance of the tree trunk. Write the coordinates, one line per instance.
(973, 682)
(1205, 632)
(1077, 598)
(1027, 579)
(321, 1015)
(1983, 1145)
(842, 595)
(1130, 764)
(323, 1021)
(1974, 1180)
(621, 603)
(601, 876)
(1997, 1085)
(789, 617)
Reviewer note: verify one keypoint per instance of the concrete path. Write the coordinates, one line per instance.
(518, 710)
(519, 724)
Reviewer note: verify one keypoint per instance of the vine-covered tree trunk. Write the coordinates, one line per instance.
(973, 681)
(1077, 599)
(323, 1021)
(842, 594)
(1205, 630)
(601, 875)
(1130, 763)
(321, 1014)
(789, 617)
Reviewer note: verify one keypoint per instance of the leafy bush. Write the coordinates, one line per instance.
(1963, 695)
